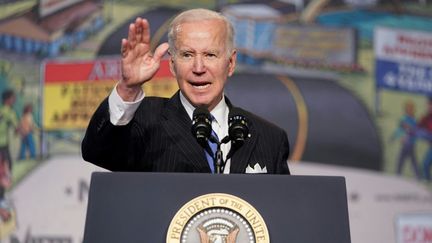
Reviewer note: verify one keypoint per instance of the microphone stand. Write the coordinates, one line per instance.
(219, 164)
(218, 160)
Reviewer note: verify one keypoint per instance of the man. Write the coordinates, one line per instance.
(130, 132)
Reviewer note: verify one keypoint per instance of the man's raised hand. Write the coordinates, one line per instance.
(138, 63)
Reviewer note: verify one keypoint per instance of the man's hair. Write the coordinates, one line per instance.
(7, 94)
(199, 14)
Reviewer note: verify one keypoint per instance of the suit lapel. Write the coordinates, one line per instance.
(177, 124)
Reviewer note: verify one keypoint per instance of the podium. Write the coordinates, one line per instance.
(162, 207)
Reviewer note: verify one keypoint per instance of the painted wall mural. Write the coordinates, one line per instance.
(350, 82)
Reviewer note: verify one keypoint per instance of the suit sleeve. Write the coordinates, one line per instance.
(106, 145)
(283, 153)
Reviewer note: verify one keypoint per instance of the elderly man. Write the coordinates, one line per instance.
(131, 132)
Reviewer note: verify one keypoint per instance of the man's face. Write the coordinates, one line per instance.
(201, 63)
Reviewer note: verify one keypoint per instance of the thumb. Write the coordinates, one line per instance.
(160, 51)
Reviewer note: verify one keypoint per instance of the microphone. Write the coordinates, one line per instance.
(238, 127)
(201, 125)
(201, 130)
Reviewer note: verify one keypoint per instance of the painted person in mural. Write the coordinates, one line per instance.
(405, 132)
(5, 183)
(26, 128)
(8, 124)
(425, 132)
(132, 132)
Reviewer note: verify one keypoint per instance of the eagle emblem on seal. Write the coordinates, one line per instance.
(218, 230)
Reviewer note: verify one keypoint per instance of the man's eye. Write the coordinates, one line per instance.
(186, 55)
(211, 55)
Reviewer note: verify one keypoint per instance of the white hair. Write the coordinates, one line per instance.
(199, 14)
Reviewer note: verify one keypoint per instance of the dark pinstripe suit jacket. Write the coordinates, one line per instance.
(159, 139)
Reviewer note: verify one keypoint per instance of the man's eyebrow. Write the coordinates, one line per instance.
(212, 51)
(186, 49)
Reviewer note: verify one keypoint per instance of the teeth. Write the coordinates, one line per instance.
(201, 86)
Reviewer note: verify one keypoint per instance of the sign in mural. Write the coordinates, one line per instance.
(403, 60)
(264, 36)
(315, 44)
(72, 90)
(47, 7)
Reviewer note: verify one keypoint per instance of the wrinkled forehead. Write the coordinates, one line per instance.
(203, 26)
(201, 35)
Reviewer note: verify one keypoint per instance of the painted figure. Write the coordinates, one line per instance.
(25, 129)
(425, 132)
(8, 123)
(406, 133)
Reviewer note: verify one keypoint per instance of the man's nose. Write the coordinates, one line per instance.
(199, 65)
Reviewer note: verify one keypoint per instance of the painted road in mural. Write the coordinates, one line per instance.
(325, 122)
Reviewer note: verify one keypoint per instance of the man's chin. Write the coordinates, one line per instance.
(202, 100)
(198, 104)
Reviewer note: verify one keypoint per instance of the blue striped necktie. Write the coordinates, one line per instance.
(213, 147)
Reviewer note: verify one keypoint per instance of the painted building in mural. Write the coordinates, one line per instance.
(51, 27)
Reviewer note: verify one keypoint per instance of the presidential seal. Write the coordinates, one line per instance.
(217, 218)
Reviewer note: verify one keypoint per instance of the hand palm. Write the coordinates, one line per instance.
(139, 65)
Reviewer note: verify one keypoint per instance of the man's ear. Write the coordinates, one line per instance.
(171, 64)
(232, 63)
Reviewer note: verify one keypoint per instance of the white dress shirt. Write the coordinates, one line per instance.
(121, 113)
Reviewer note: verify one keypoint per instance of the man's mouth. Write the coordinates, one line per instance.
(200, 85)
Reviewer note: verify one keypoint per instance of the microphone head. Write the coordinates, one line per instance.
(238, 127)
(201, 125)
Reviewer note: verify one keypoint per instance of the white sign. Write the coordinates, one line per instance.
(403, 60)
(403, 45)
(414, 228)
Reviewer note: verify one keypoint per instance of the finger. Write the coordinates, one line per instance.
(146, 31)
(131, 35)
(160, 51)
(138, 29)
(124, 47)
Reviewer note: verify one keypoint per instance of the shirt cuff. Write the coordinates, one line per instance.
(122, 112)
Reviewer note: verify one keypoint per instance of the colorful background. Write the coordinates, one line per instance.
(350, 81)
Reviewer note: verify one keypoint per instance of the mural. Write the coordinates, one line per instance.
(350, 82)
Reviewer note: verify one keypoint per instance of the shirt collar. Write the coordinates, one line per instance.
(220, 112)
